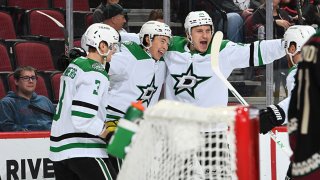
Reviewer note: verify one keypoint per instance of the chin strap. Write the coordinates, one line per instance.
(291, 58)
(148, 47)
(104, 56)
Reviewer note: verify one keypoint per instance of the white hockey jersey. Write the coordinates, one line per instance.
(134, 75)
(290, 83)
(81, 112)
(191, 79)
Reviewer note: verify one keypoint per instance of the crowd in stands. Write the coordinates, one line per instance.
(32, 45)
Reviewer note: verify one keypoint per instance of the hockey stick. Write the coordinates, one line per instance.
(215, 49)
(65, 32)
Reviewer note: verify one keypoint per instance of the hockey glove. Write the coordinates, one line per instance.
(110, 127)
(271, 117)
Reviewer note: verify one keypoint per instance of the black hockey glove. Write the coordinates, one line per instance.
(76, 52)
(111, 127)
(271, 117)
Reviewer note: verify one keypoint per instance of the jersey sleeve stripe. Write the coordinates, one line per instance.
(112, 117)
(77, 145)
(81, 114)
(72, 135)
(259, 55)
(114, 109)
(251, 60)
(84, 104)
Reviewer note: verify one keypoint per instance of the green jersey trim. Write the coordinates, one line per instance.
(77, 145)
(81, 114)
(105, 169)
(259, 55)
(88, 65)
(178, 43)
(223, 44)
(136, 50)
(291, 69)
(109, 116)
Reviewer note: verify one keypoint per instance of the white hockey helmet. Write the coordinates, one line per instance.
(98, 32)
(153, 28)
(197, 18)
(299, 34)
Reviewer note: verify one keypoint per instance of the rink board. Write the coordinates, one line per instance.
(25, 156)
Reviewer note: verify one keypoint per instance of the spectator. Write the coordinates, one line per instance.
(98, 12)
(234, 17)
(24, 110)
(114, 16)
(282, 20)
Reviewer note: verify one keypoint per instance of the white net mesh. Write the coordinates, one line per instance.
(179, 141)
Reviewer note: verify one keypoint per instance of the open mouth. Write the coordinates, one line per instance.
(161, 53)
(204, 43)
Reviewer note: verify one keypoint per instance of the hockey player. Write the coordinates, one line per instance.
(78, 134)
(295, 37)
(303, 114)
(138, 71)
(190, 77)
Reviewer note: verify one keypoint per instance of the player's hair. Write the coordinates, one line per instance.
(155, 14)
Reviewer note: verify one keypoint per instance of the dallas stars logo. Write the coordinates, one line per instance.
(187, 81)
(147, 91)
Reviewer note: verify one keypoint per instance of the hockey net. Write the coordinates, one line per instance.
(178, 141)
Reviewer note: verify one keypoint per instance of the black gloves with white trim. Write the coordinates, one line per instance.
(271, 117)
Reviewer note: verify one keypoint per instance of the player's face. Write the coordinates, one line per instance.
(201, 36)
(27, 82)
(295, 58)
(112, 49)
(292, 48)
(159, 46)
(119, 21)
(112, 1)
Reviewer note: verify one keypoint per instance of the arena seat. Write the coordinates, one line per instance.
(39, 24)
(89, 19)
(7, 30)
(3, 91)
(5, 63)
(33, 53)
(78, 5)
(55, 84)
(29, 4)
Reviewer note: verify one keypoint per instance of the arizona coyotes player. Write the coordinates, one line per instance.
(304, 114)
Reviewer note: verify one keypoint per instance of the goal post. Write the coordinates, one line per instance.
(179, 141)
